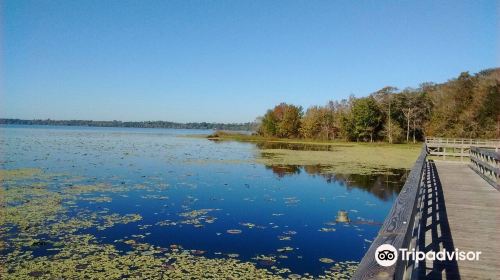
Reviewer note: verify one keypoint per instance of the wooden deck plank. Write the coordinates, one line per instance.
(473, 212)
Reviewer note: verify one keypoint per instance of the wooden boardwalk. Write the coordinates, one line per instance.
(463, 211)
(443, 206)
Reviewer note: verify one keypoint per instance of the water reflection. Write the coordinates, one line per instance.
(383, 186)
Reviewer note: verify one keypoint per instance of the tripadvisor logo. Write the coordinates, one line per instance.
(387, 255)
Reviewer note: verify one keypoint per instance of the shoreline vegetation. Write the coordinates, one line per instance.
(463, 107)
(145, 124)
(338, 157)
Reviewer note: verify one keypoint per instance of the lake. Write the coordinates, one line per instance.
(174, 202)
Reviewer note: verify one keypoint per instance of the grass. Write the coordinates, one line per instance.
(342, 157)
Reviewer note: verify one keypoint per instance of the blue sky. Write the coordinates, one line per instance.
(228, 61)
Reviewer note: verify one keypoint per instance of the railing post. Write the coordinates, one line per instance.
(462, 151)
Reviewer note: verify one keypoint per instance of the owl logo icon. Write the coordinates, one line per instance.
(386, 255)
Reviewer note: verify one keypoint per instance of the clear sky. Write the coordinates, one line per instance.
(228, 61)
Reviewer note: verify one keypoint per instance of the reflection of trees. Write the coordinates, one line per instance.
(383, 186)
(215, 140)
(283, 170)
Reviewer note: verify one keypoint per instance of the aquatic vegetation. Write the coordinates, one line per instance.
(326, 260)
(248, 225)
(111, 220)
(251, 226)
(284, 249)
(196, 213)
(35, 208)
(284, 238)
(166, 223)
(341, 270)
(134, 206)
(195, 218)
(82, 255)
(327, 229)
(265, 260)
(98, 199)
(82, 189)
(16, 174)
(346, 159)
(153, 196)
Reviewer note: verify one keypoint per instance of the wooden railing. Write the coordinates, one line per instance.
(401, 226)
(457, 147)
(463, 141)
(398, 227)
(486, 163)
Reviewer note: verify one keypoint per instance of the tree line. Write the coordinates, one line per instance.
(144, 124)
(466, 107)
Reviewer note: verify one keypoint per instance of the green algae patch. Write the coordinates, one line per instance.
(81, 189)
(113, 219)
(82, 256)
(46, 212)
(334, 157)
(326, 260)
(355, 159)
(16, 174)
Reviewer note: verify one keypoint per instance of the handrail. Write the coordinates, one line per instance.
(457, 140)
(457, 147)
(397, 228)
(463, 141)
(486, 163)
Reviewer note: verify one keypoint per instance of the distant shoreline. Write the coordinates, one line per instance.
(145, 124)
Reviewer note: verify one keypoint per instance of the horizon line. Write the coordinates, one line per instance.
(122, 121)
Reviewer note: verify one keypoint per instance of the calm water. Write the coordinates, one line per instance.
(273, 206)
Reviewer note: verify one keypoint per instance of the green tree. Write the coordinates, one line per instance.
(288, 120)
(312, 122)
(384, 100)
(282, 121)
(462, 107)
(268, 125)
(318, 123)
(366, 117)
(466, 106)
